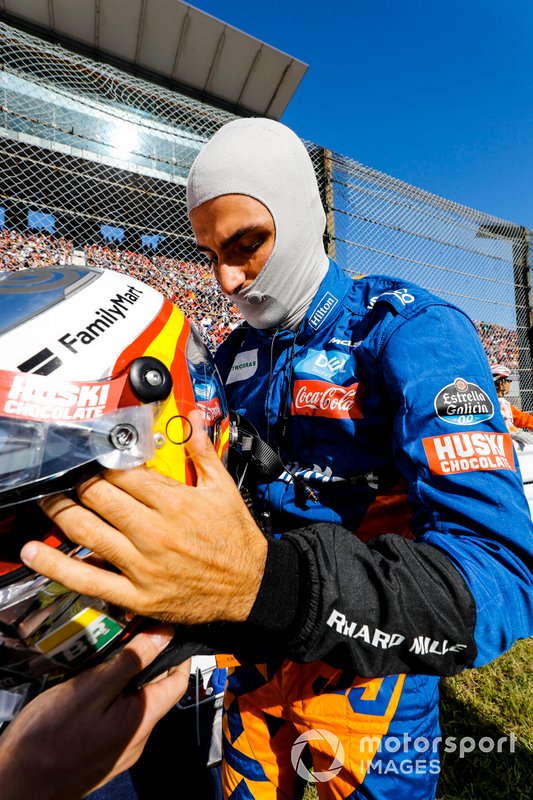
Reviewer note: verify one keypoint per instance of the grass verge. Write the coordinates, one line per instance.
(494, 701)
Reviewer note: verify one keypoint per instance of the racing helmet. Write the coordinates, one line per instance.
(500, 372)
(97, 370)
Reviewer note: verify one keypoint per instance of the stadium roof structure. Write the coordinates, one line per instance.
(171, 42)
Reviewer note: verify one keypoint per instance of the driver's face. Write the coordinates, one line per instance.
(502, 387)
(237, 234)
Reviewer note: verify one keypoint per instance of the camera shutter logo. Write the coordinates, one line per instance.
(336, 748)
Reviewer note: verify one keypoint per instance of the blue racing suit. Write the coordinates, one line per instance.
(403, 540)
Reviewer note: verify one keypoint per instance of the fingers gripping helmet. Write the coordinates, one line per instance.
(97, 370)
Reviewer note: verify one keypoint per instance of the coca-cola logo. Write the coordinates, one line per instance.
(211, 410)
(321, 399)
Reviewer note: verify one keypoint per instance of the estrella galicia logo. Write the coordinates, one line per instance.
(463, 403)
(324, 308)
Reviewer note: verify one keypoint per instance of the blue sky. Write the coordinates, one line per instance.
(438, 93)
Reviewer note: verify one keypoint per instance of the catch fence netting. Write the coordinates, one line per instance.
(94, 165)
(478, 262)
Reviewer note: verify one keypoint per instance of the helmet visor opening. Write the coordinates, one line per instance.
(32, 452)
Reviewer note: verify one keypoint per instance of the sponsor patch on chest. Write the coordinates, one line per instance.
(244, 366)
(325, 364)
(325, 306)
(320, 399)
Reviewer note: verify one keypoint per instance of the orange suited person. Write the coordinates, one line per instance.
(514, 418)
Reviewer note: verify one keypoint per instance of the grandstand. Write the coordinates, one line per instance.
(102, 114)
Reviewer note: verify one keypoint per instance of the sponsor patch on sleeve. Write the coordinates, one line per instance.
(471, 451)
(463, 403)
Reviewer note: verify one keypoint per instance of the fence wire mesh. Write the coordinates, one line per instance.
(94, 165)
(476, 261)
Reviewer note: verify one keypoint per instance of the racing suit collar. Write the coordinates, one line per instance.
(325, 308)
(327, 303)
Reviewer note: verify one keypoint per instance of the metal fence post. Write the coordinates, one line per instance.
(524, 313)
(518, 236)
(327, 160)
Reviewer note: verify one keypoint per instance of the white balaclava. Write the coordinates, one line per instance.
(265, 160)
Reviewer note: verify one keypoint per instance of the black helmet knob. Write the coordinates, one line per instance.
(150, 379)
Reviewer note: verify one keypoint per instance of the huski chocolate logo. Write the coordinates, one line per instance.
(463, 403)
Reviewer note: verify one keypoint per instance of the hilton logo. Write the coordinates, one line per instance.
(325, 306)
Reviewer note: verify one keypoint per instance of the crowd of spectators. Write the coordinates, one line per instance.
(499, 343)
(32, 250)
(189, 285)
